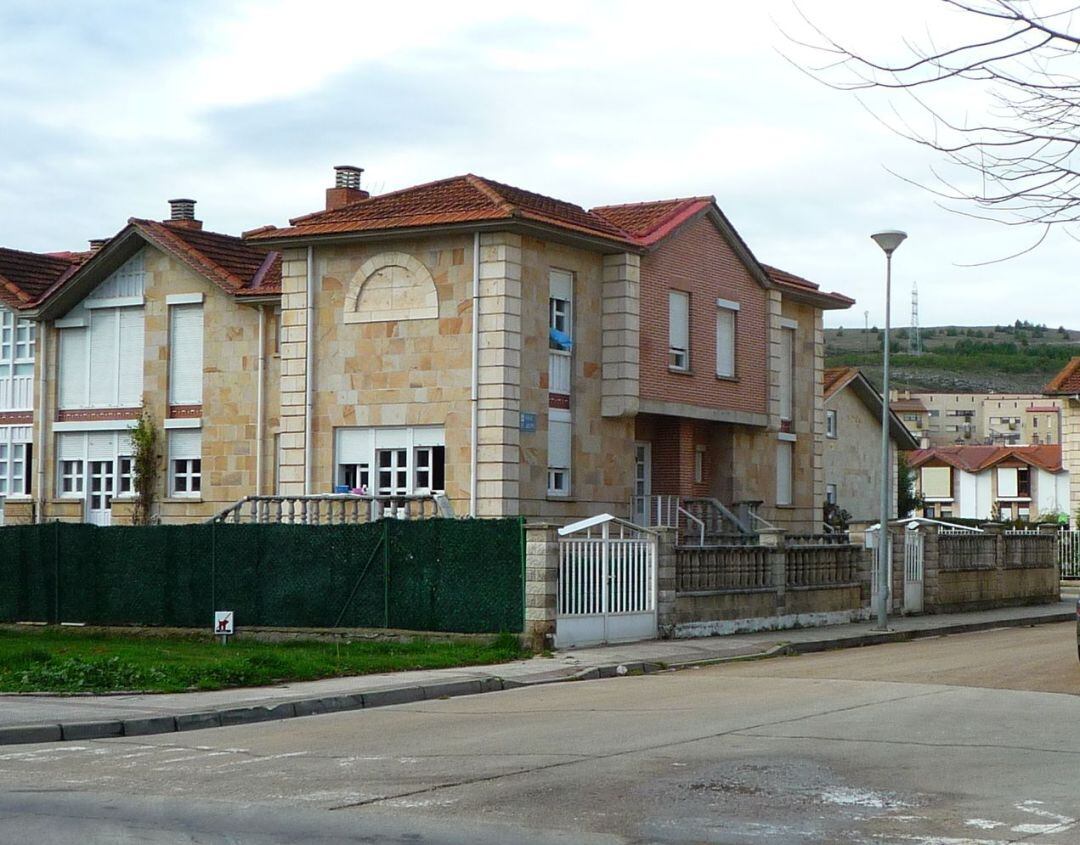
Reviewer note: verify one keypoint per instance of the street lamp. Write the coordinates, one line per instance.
(888, 241)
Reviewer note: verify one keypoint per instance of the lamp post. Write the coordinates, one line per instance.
(888, 241)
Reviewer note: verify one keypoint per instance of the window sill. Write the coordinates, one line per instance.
(187, 500)
(732, 379)
(560, 497)
(832, 437)
(680, 371)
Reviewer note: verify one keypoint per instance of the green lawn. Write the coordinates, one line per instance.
(58, 660)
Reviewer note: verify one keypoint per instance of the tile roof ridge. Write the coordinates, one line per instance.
(167, 237)
(644, 203)
(485, 187)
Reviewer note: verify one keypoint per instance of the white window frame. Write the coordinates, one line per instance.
(678, 336)
(727, 313)
(830, 423)
(787, 370)
(176, 376)
(558, 472)
(830, 494)
(699, 464)
(73, 474)
(185, 464)
(785, 473)
(357, 450)
(398, 469)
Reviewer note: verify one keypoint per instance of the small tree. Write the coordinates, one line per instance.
(145, 442)
(907, 500)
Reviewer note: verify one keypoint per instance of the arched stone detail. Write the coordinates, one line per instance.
(391, 286)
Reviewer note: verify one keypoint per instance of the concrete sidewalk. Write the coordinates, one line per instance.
(46, 718)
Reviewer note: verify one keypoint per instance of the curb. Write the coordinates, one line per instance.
(199, 720)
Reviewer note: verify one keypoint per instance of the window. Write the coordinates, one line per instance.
(830, 494)
(15, 461)
(275, 327)
(185, 462)
(429, 464)
(560, 304)
(559, 452)
(678, 330)
(1023, 482)
(390, 461)
(830, 424)
(725, 337)
(699, 464)
(393, 473)
(125, 476)
(185, 354)
(787, 373)
(784, 466)
(71, 477)
(16, 362)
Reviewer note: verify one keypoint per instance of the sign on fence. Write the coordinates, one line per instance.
(223, 622)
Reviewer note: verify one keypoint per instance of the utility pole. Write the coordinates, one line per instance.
(916, 341)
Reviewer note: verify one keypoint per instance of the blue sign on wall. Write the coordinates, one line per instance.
(528, 422)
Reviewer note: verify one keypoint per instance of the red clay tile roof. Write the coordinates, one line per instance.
(238, 267)
(836, 377)
(460, 199)
(908, 405)
(977, 458)
(650, 222)
(26, 276)
(1067, 381)
(784, 279)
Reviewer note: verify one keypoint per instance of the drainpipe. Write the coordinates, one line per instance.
(309, 393)
(475, 372)
(260, 411)
(43, 396)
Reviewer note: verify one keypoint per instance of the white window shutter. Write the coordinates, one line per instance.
(103, 352)
(678, 320)
(937, 482)
(784, 468)
(1007, 484)
(70, 446)
(185, 444)
(73, 381)
(787, 387)
(562, 285)
(101, 446)
(725, 342)
(131, 357)
(185, 354)
(558, 441)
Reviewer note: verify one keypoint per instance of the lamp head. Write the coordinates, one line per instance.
(889, 240)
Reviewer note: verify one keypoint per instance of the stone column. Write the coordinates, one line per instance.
(621, 325)
(293, 369)
(998, 532)
(931, 558)
(541, 583)
(498, 413)
(774, 539)
(666, 583)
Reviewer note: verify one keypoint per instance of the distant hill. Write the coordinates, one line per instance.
(1017, 358)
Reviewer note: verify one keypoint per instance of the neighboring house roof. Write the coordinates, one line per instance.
(460, 199)
(1067, 381)
(836, 379)
(975, 459)
(797, 284)
(25, 277)
(1042, 409)
(241, 269)
(651, 222)
(908, 405)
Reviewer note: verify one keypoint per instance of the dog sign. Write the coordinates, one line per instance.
(223, 623)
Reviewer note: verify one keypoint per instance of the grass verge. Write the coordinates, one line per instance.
(67, 661)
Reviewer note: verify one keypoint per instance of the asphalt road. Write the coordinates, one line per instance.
(965, 740)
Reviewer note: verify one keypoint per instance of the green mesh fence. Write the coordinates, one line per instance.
(430, 575)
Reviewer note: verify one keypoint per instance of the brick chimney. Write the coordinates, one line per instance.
(98, 243)
(346, 188)
(182, 213)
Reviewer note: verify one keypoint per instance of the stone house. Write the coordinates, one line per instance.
(853, 444)
(984, 482)
(627, 352)
(175, 319)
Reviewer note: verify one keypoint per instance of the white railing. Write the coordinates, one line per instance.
(659, 511)
(336, 509)
(1069, 553)
(17, 394)
(613, 572)
(559, 371)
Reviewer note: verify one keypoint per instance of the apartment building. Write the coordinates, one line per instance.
(998, 419)
(516, 352)
(992, 482)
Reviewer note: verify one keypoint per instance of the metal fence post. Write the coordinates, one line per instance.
(56, 572)
(386, 573)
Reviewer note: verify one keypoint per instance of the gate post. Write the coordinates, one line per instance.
(774, 539)
(541, 583)
(665, 580)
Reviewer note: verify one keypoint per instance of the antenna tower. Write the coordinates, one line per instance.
(916, 341)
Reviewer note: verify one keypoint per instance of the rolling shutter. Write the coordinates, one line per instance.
(679, 320)
(73, 381)
(558, 440)
(725, 342)
(103, 351)
(937, 482)
(185, 444)
(784, 454)
(1007, 483)
(185, 354)
(70, 446)
(131, 357)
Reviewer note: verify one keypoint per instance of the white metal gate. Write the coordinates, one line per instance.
(607, 583)
(913, 570)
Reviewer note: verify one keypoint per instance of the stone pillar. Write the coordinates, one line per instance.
(774, 539)
(499, 408)
(817, 429)
(541, 583)
(621, 326)
(997, 531)
(293, 369)
(931, 567)
(666, 583)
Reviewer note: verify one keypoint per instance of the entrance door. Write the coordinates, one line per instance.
(642, 483)
(913, 571)
(99, 501)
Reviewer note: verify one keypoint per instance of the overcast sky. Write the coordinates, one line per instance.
(111, 108)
